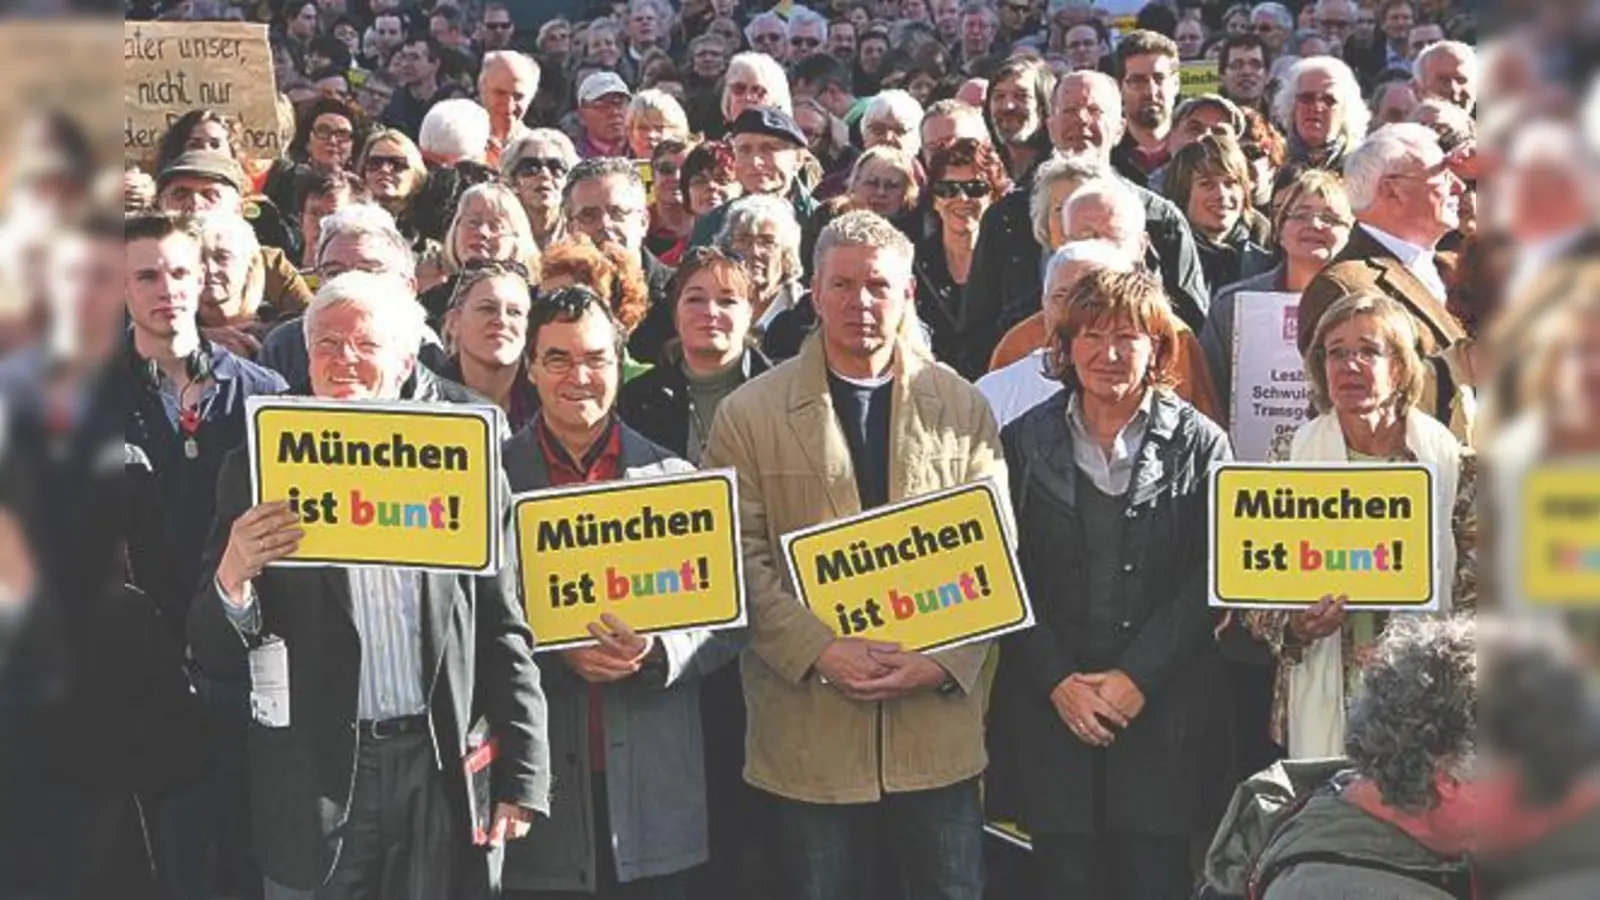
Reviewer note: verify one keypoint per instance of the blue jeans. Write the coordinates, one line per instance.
(932, 842)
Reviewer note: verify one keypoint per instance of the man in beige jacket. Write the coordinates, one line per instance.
(871, 755)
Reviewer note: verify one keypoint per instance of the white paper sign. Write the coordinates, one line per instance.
(1271, 395)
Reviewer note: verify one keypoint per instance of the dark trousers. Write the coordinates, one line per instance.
(662, 887)
(402, 840)
(932, 839)
(1113, 866)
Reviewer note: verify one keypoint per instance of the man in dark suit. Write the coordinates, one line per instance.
(356, 784)
(1406, 198)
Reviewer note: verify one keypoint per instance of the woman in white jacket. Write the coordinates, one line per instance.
(1366, 377)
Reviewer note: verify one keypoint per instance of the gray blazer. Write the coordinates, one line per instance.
(655, 760)
(1216, 338)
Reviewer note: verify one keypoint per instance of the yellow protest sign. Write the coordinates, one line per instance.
(928, 573)
(1199, 76)
(415, 485)
(661, 554)
(169, 68)
(1560, 546)
(1285, 535)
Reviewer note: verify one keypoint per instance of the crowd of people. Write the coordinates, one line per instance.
(855, 255)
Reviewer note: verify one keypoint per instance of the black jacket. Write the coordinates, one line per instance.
(477, 660)
(1005, 283)
(1160, 633)
(939, 301)
(656, 328)
(656, 404)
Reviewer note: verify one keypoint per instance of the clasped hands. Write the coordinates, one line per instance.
(870, 671)
(619, 655)
(1088, 702)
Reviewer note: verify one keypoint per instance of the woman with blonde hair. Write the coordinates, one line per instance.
(489, 226)
(486, 330)
(1366, 377)
(654, 116)
(392, 167)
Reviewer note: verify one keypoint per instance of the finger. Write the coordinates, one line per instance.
(619, 628)
(608, 641)
(1109, 711)
(520, 828)
(279, 541)
(1096, 731)
(497, 831)
(882, 647)
(1093, 679)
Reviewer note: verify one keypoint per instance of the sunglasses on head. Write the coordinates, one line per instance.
(570, 301)
(949, 190)
(533, 165)
(479, 270)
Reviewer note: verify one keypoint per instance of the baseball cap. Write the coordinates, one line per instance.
(600, 84)
(773, 122)
(1228, 107)
(204, 164)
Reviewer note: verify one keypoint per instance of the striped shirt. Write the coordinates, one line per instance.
(387, 606)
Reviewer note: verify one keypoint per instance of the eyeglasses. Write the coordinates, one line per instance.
(330, 133)
(1365, 356)
(1317, 219)
(1264, 28)
(949, 190)
(494, 227)
(392, 163)
(533, 165)
(1312, 98)
(805, 43)
(560, 363)
(591, 216)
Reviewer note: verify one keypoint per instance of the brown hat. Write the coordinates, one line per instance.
(204, 164)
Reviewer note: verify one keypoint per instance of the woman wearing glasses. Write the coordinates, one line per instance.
(489, 226)
(1365, 378)
(486, 330)
(392, 167)
(1312, 221)
(1319, 107)
(965, 178)
(535, 165)
(328, 137)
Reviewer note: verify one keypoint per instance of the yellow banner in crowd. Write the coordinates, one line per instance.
(1285, 535)
(1199, 76)
(169, 68)
(1560, 547)
(929, 573)
(412, 485)
(660, 554)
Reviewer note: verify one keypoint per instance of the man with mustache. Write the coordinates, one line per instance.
(1018, 102)
(1147, 64)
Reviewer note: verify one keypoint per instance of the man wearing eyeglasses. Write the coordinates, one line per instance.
(1242, 64)
(630, 819)
(1273, 23)
(1018, 19)
(807, 32)
(603, 99)
(1406, 198)
(1336, 21)
(356, 780)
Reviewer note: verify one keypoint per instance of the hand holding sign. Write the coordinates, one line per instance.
(264, 534)
(619, 655)
(1320, 621)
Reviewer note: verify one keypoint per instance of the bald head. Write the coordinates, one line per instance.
(1448, 71)
(506, 85)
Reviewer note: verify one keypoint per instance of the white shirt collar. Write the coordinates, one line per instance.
(1405, 251)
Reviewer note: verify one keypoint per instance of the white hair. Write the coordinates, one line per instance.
(1127, 210)
(746, 213)
(764, 69)
(220, 227)
(663, 104)
(1377, 157)
(898, 106)
(455, 128)
(766, 18)
(1322, 5)
(521, 65)
(519, 148)
(1463, 52)
(1277, 11)
(1096, 252)
(1354, 116)
(387, 300)
(368, 220)
(1055, 169)
(804, 17)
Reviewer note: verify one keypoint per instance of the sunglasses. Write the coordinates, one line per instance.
(391, 163)
(533, 165)
(949, 190)
(497, 26)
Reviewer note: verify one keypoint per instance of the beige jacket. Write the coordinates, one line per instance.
(806, 741)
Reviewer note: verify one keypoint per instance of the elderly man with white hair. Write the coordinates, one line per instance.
(507, 84)
(1448, 71)
(1547, 193)
(1406, 199)
(353, 779)
(767, 33)
(807, 33)
(453, 131)
(359, 237)
(892, 118)
(1273, 23)
(1021, 385)
(1320, 108)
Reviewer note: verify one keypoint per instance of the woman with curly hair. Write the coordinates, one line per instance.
(964, 179)
(610, 272)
